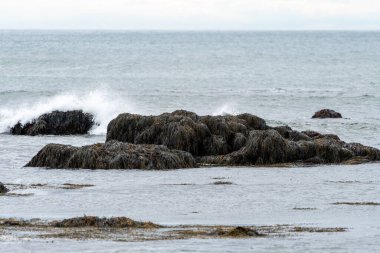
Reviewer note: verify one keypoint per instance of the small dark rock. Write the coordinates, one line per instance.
(238, 232)
(56, 123)
(3, 189)
(222, 183)
(326, 113)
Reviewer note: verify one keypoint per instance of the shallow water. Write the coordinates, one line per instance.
(282, 77)
(258, 196)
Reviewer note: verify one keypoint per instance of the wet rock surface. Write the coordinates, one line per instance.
(326, 113)
(112, 155)
(56, 123)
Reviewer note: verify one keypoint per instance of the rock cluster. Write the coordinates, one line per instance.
(326, 113)
(56, 123)
(234, 140)
(183, 139)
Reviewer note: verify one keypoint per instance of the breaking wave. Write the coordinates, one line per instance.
(100, 103)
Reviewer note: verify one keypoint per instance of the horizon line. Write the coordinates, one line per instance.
(190, 30)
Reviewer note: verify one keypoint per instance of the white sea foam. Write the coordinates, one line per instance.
(100, 103)
(226, 109)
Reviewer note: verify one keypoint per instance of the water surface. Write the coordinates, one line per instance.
(283, 77)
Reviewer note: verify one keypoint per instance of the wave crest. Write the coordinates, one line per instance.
(101, 104)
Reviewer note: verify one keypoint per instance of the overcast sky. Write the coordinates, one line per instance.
(191, 14)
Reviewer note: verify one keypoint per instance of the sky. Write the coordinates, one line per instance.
(191, 14)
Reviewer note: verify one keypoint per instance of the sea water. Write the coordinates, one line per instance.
(283, 77)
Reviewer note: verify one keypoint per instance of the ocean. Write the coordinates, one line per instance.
(283, 77)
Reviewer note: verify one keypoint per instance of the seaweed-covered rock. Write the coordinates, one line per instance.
(94, 221)
(363, 151)
(3, 189)
(112, 155)
(287, 133)
(56, 123)
(264, 147)
(182, 130)
(326, 113)
(183, 139)
(235, 140)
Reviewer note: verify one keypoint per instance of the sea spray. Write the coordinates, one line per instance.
(225, 110)
(102, 104)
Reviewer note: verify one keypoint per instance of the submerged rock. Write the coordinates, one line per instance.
(326, 113)
(112, 155)
(94, 221)
(56, 123)
(238, 232)
(3, 189)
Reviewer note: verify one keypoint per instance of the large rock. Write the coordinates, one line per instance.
(56, 123)
(112, 155)
(182, 130)
(269, 147)
(327, 113)
(3, 189)
(235, 140)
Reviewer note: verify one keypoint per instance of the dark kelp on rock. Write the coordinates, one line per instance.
(229, 140)
(112, 155)
(244, 139)
(182, 130)
(265, 147)
(94, 221)
(56, 123)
